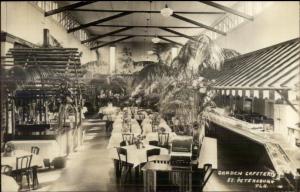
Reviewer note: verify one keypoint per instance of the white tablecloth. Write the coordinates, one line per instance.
(135, 127)
(8, 184)
(136, 156)
(12, 161)
(116, 134)
(109, 110)
(49, 149)
(115, 140)
(147, 127)
(112, 117)
(153, 136)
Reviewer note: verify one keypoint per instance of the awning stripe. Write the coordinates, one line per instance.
(239, 67)
(248, 63)
(290, 79)
(270, 68)
(281, 76)
(257, 68)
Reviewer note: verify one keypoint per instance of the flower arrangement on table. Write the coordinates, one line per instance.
(9, 150)
(161, 130)
(126, 125)
(155, 125)
(138, 141)
(155, 122)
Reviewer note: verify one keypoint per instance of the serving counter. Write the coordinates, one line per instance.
(285, 158)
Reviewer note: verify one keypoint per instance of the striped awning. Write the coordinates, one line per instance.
(256, 73)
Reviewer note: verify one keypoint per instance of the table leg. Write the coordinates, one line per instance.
(154, 181)
(190, 181)
(117, 168)
(35, 181)
(145, 180)
(136, 170)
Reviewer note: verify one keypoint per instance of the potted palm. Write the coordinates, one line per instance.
(189, 100)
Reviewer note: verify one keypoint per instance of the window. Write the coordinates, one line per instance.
(63, 18)
(230, 21)
(112, 57)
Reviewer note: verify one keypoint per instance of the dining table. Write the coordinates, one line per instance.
(8, 184)
(118, 126)
(118, 130)
(109, 110)
(37, 161)
(136, 156)
(49, 149)
(147, 125)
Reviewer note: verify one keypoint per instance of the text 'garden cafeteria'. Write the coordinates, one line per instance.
(152, 96)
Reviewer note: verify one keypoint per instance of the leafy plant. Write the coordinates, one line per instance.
(185, 85)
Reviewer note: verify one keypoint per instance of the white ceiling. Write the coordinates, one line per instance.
(141, 18)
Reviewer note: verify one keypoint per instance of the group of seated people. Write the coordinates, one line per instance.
(150, 121)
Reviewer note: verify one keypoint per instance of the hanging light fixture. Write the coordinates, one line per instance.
(150, 52)
(155, 39)
(166, 12)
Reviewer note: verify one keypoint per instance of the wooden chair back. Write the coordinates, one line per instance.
(35, 150)
(23, 162)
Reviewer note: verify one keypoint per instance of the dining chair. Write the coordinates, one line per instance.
(6, 169)
(155, 143)
(23, 168)
(128, 138)
(163, 140)
(123, 143)
(152, 152)
(154, 127)
(123, 163)
(35, 150)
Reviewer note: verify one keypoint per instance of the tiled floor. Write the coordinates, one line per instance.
(88, 169)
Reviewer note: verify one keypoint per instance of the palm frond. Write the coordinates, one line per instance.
(229, 53)
(199, 54)
(151, 73)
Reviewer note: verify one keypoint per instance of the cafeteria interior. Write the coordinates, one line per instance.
(152, 96)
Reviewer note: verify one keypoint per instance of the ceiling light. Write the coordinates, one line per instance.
(166, 12)
(150, 52)
(155, 40)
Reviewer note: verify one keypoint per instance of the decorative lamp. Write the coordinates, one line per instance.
(150, 52)
(166, 12)
(155, 40)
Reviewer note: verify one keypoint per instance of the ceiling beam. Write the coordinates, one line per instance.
(197, 23)
(227, 9)
(145, 11)
(121, 35)
(68, 7)
(177, 33)
(145, 26)
(105, 35)
(169, 40)
(98, 21)
(111, 42)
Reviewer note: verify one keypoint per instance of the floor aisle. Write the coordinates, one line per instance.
(88, 169)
